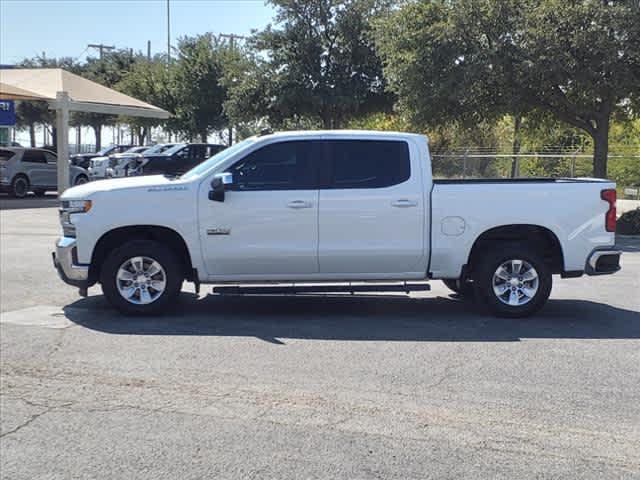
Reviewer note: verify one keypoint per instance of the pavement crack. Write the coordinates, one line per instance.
(33, 417)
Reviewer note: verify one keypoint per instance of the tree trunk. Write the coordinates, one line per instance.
(32, 135)
(203, 137)
(601, 148)
(97, 130)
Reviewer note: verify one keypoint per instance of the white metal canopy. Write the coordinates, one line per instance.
(67, 92)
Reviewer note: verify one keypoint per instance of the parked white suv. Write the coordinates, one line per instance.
(33, 169)
(333, 211)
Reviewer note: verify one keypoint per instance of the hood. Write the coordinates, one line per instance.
(82, 192)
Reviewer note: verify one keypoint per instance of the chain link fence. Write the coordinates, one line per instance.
(623, 168)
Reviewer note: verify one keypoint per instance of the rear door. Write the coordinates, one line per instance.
(268, 224)
(34, 164)
(372, 212)
(51, 179)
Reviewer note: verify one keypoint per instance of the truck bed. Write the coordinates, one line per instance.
(450, 181)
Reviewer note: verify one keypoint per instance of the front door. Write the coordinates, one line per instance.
(268, 224)
(372, 213)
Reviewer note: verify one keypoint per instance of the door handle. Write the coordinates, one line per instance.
(404, 203)
(299, 204)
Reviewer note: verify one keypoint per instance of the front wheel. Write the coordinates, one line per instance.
(80, 180)
(142, 277)
(513, 281)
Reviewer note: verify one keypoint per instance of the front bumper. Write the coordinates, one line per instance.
(603, 261)
(65, 260)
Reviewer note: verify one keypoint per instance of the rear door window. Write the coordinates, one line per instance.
(366, 163)
(34, 156)
(5, 155)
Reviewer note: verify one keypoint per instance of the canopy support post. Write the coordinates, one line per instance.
(62, 140)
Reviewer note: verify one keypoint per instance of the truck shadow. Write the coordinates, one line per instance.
(359, 318)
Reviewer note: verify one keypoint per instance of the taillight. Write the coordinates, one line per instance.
(609, 196)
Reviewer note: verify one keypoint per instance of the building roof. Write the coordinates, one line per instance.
(83, 95)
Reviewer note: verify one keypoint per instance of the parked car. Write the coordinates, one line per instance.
(323, 209)
(33, 169)
(179, 158)
(82, 159)
(98, 166)
(130, 165)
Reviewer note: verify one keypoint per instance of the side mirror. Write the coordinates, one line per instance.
(219, 185)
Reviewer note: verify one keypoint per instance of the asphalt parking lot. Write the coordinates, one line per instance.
(311, 387)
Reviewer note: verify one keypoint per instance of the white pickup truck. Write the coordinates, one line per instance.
(334, 211)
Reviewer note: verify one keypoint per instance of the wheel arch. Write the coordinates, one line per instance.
(121, 235)
(540, 238)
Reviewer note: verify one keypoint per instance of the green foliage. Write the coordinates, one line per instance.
(152, 82)
(473, 60)
(198, 87)
(315, 65)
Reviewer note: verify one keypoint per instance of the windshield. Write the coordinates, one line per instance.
(159, 148)
(174, 149)
(217, 158)
(136, 150)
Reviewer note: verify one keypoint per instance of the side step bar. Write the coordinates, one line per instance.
(319, 288)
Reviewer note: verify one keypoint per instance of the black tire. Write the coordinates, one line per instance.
(464, 289)
(19, 186)
(147, 248)
(80, 180)
(488, 265)
(39, 192)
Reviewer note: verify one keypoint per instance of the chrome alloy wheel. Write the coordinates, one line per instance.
(141, 280)
(515, 282)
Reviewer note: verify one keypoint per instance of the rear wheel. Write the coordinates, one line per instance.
(141, 277)
(20, 186)
(512, 281)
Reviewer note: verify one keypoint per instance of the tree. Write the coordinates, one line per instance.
(576, 59)
(107, 71)
(152, 82)
(316, 65)
(199, 91)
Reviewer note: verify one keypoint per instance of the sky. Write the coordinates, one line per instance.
(64, 28)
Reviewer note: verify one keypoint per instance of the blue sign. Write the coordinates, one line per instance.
(7, 113)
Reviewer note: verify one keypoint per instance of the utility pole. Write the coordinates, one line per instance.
(232, 37)
(101, 48)
(149, 50)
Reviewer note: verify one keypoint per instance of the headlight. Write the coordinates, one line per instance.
(76, 206)
(68, 208)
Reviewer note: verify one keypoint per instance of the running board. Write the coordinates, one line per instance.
(320, 288)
